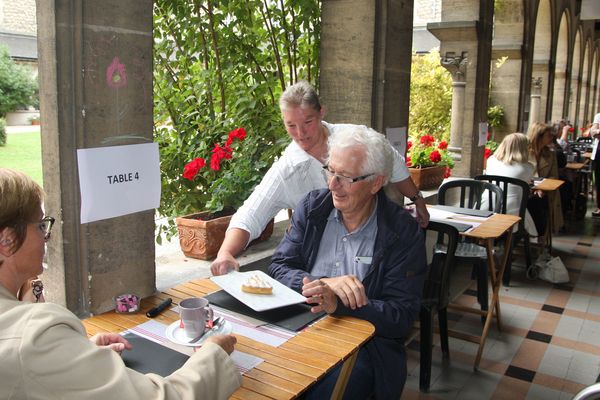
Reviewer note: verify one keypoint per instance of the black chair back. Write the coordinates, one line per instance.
(436, 295)
(471, 194)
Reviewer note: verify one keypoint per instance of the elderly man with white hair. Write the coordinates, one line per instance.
(351, 251)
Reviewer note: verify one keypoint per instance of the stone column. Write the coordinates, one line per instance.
(534, 110)
(83, 106)
(366, 49)
(457, 66)
(467, 26)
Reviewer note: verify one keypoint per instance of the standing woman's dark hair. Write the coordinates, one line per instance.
(20, 202)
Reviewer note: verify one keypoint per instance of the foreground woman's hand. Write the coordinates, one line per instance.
(113, 341)
(227, 342)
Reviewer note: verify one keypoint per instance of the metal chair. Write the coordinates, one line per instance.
(470, 195)
(506, 183)
(436, 298)
(591, 392)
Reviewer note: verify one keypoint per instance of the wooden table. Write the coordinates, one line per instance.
(288, 370)
(486, 233)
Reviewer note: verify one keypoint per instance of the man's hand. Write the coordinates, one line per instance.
(349, 289)
(317, 292)
(227, 342)
(113, 341)
(422, 213)
(224, 263)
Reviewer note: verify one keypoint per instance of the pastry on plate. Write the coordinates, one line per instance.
(257, 285)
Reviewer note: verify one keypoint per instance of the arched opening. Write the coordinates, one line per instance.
(560, 94)
(574, 93)
(541, 58)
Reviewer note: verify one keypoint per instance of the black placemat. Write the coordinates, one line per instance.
(459, 226)
(150, 357)
(294, 317)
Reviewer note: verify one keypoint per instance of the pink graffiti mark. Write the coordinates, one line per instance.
(116, 75)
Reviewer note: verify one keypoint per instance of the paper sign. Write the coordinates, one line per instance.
(397, 137)
(483, 130)
(118, 180)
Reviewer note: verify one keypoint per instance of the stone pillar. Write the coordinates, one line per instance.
(83, 106)
(457, 66)
(540, 71)
(366, 49)
(466, 26)
(534, 111)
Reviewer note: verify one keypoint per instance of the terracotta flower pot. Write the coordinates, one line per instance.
(201, 238)
(427, 178)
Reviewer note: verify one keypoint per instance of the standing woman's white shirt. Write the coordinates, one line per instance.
(523, 171)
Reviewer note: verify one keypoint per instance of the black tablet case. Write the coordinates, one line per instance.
(150, 357)
(294, 317)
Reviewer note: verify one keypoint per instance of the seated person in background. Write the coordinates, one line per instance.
(511, 159)
(298, 171)
(543, 157)
(352, 251)
(44, 349)
(563, 128)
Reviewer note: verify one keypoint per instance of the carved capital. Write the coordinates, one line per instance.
(536, 83)
(456, 65)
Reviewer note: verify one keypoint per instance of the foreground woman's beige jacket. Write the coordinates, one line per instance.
(45, 354)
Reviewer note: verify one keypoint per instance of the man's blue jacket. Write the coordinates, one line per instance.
(393, 283)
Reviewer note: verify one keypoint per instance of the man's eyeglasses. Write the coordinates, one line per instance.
(46, 226)
(341, 179)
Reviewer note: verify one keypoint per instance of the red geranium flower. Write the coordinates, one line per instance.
(443, 145)
(239, 134)
(191, 169)
(427, 140)
(487, 153)
(408, 145)
(435, 156)
(571, 129)
(408, 162)
(447, 172)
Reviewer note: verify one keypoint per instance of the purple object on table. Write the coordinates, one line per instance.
(127, 303)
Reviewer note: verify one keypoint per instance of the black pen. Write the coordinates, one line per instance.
(159, 308)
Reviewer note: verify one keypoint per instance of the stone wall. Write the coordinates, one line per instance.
(18, 16)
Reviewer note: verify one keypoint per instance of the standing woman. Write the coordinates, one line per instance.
(44, 348)
(543, 157)
(594, 132)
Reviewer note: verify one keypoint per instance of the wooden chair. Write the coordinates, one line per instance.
(470, 195)
(505, 183)
(436, 298)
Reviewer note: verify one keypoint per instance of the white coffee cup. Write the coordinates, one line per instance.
(195, 313)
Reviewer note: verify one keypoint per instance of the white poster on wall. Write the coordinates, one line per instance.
(397, 137)
(483, 131)
(118, 180)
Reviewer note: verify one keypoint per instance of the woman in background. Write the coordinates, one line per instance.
(511, 159)
(543, 157)
(44, 348)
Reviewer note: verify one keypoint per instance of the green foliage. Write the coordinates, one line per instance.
(2, 132)
(430, 97)
(495, 116)
(17, 87)
(220, 65)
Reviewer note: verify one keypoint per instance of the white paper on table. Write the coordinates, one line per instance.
(118, 180)
(483, 131)
(439, 215)
(156, 332)
(268, 334)
(397, 138)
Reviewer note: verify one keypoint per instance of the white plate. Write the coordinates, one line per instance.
(177, 335)
(282, 295)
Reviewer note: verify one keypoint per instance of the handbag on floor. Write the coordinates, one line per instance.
(554, 271)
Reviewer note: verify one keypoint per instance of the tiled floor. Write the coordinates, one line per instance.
(550, 344)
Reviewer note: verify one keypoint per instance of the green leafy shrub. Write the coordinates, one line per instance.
(17, 86)
(430, 97)
(219, 66)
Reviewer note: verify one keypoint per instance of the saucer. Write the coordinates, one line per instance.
(177, 335)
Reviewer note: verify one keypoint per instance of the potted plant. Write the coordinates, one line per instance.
(228, 173)
(428, 161)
